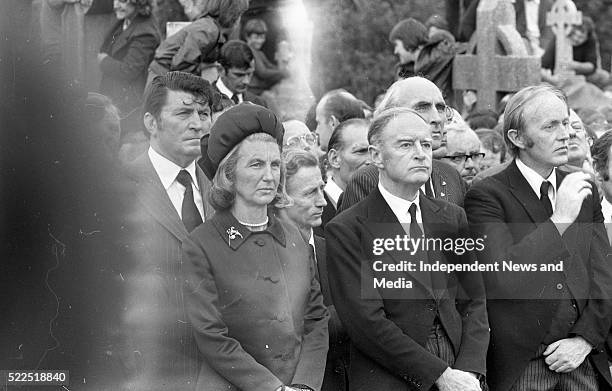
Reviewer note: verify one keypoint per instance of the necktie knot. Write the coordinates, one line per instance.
(189, 211)
(412, 212)
(544, 200)
(544, 189)
(415, 230)
(184, 178)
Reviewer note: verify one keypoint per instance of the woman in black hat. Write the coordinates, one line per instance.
(255, 305)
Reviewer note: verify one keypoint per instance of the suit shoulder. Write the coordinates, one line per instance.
(348, 216)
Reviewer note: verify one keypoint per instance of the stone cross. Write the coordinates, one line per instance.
(562, 17)
(502, 63)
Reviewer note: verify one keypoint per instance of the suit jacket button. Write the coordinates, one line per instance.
(559, 286)
(260, 242)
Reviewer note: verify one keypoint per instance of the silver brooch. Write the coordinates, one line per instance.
(232, 233)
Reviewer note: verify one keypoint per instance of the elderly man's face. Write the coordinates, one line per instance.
(425, 98)
(305, 188)
(463, 153)
(544, 142)
(404, 152)
(354, 152)
(578, 143)
(298, 136)
(258, 171)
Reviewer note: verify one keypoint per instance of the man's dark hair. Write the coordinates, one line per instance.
(336, 140)
(157, 92)
(236, 54)
(343, 106)
(411, 32)
(600, 151)
(482, 119)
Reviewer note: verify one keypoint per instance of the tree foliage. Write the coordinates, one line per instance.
(350, 46)
(351, 50)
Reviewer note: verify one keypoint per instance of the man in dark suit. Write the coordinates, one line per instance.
(305, 187)
(424, 97)
(238, 64)
(169, 201)
(347, 151)
(410, 329)
(547, 327)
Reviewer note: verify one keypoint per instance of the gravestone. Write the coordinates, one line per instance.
(83, 30)
(561, 18)
(502, 63)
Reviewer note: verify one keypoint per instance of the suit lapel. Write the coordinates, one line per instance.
(204, 185)
(520, 189)
(433, 222)
(122, 38)
(386, 225)
(439, 184)
(152, 194)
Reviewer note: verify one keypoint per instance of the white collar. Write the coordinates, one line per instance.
(535, 180)
(311, 239)
(398, 205)
(333, 191)
(606, 209)
(168, 170)
(224, 90)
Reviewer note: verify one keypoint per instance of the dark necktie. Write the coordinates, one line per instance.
(415, 229)
(189, 211)
(313, 259)
(544, 200)
(235, 98)
(428, 191)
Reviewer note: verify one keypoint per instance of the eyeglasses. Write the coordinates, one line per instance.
(309, 138)
(460, 159)
(445, 111)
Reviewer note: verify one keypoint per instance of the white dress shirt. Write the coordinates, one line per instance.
(535, 181)
(400, 207)
(226, 91)
(311, 242)
(167, 172)
(333, 191)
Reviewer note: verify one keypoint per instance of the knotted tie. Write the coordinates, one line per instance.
(544, 198)
(189, 211)
(415, 229)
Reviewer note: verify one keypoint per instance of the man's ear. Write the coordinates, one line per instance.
(376, 156)
(333, 157)
(333, 121)
(516, 139)
(150, 123)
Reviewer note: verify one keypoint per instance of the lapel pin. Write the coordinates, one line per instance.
(442, 195)
(443, 183)
(232, 233)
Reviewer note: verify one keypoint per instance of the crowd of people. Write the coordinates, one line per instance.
(413, 245)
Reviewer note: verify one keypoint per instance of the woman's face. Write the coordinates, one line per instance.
(258, 172)
(256, 40)
(123, 9)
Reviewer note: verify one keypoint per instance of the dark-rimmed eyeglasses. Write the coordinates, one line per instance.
(310, 139)
(461, 159)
